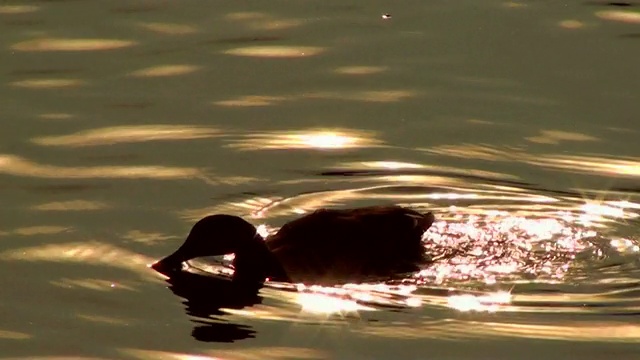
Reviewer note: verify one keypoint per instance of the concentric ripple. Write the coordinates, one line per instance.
(498, 245)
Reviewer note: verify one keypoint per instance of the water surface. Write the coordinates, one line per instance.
(515, 122)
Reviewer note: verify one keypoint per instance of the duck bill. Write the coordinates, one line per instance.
(170, 264)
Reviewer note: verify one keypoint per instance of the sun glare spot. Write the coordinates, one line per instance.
(623, 245)
(262, 230)
(503, 246)
(327, 140)
(391, 165)
(414, 302)
(325, 304)
(602, 210)
(313, 139)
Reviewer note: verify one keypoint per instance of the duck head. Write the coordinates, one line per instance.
(220, 235)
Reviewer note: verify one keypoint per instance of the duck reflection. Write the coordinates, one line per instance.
(206, 307)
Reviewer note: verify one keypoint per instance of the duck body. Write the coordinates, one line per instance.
(325, 247)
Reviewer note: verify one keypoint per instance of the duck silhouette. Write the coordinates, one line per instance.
(326, 247)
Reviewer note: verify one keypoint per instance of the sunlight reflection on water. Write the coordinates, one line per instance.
(484, 249)
(48, 83)
(18, 166)
(55, 44)
(88, 253)
(165, 71)
(256, 353)
(489, 302)
(18, 9)
(345, 98)
(128, 134)
(369, 96)
(311, 139)
(276, 51)
(576, 163)
(169, 28)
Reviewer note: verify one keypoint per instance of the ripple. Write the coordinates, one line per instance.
(253, 353)
(245, 39)
(276, 24)
(590, 164)
(374, 96)
(379, 96)
(555, 137)
(360, 70)
(13, 335)
(71, 205)
(56, 116)
(606, 165)
(620, 16)
(58, 44)
(87, 253)
(514, 4)
(128, 134)
(276, 51)
(264, 21)
(254, 206)
(105, 319)
(571, 24)
(499, 246)
(587, 331)
(580, 331)
(17, 166)
(252, 100)
(18, 9)
(483, 303)
(165, 71)
(40, 230)
(373, 168)
(169, 28)
(92, 284)
(147, 238)
(246, 15)
(48, 83)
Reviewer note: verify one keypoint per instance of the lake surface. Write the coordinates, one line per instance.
(516, 123)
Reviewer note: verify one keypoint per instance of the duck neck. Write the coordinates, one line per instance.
(254, 262)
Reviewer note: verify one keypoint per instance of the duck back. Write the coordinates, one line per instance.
(340, 246)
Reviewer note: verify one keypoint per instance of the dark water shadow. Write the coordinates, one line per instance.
(222, 332)
(630, 190)
(614, 3)
(630, 36)
(204, 298)
(244, 39)
(65, 188)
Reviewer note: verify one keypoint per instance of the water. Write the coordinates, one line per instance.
(515, 122)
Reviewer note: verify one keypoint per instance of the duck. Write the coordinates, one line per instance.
(325, 247)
